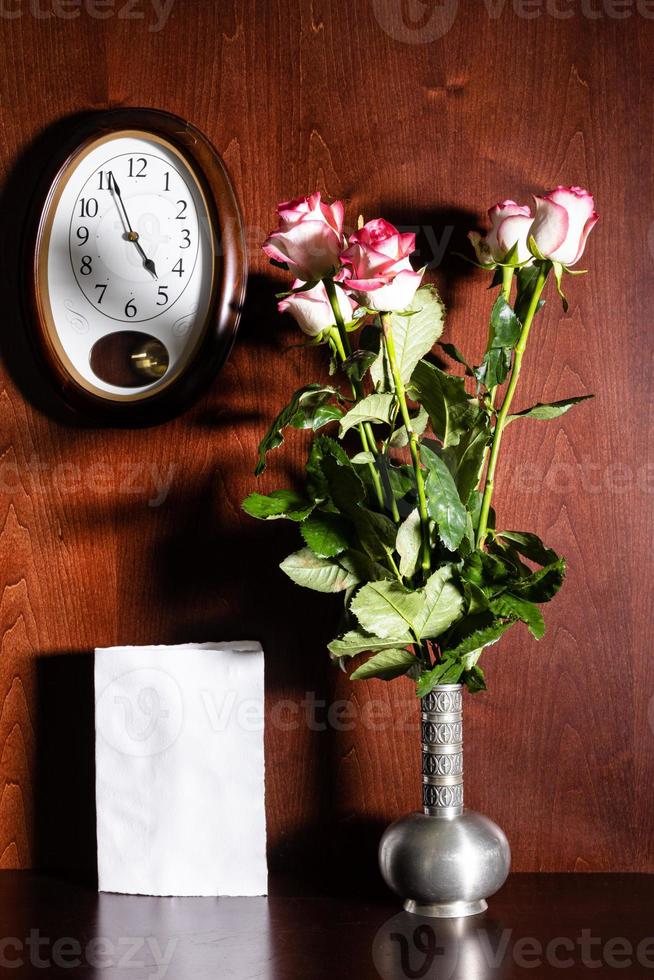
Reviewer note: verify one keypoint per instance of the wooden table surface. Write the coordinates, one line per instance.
(539, 925)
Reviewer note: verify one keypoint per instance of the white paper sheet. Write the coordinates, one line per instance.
(180, 769)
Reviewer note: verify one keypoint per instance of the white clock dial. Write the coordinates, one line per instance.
(130, 248)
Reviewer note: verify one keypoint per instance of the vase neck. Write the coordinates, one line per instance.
(442, 751)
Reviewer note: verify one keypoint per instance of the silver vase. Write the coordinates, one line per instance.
(445, 861)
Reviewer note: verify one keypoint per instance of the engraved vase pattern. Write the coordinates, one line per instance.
(442, 752)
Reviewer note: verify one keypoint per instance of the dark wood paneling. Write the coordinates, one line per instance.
(544, 922)
(323, 95)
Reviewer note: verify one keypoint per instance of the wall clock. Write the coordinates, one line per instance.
(136, 266)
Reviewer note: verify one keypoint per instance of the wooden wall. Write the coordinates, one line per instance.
(427, 113)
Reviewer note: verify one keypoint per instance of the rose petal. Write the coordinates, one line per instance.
(482, 251)
(373, 231)
(515, 230)
(580, 208)
(333, 214)
(550, 226)
(312, 309)
(311, 249)
(396, 295)
(497, 214)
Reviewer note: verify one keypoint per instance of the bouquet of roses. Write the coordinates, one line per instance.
(396, 511)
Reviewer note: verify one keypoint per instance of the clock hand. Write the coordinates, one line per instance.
(147, 263)
(132, 236)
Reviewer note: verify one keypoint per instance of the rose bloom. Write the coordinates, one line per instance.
(309, 238)
(564, 218)
(312, 310)
(510, 224)
(377, 267)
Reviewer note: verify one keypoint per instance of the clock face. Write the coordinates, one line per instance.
(127, 265)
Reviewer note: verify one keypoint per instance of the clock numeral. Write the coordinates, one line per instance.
(88, 207)
(167, 181)
(137, 167)
(162, 295)
(178, 268)
(82, 235)
(103, 288)
(130, 309)
(104, 180)
(85, 268)
(187, 238)
(181, 214)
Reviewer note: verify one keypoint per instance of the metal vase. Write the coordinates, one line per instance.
(445, 861)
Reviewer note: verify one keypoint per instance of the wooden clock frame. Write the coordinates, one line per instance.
(229, 269)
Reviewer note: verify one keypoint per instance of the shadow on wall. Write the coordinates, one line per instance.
(18, 200)
(64, 779)
(441, 242)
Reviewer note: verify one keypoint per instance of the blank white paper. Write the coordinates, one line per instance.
(180, 769)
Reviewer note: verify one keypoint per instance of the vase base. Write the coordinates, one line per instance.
(445, 910)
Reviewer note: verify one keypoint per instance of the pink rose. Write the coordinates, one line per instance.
(564, 218)
(309, 238)
(510, 224)
(377, 268)
(312, 309)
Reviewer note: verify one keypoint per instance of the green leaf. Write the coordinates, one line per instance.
(443, 604)
(457, 356)
(476, 599)
(386, 665)
(526, 277)
(326, 534)
(530, 545)
(363, 568)
(321, 574)
(356, 641)
(419, 422)
(505, 325)
(387, 608)
(474, 507)
(362, 458)
(372, 408)
(443, 501)
(279, 504)
(477, 639)
(474, 679)
(453, 673)
(304, 411)
(451, 410)
(322, 448)
(430, 678)
(558, 278)
(324, 415)
(408, 543)
(543, 584)
(495, 366)
(402, 479)
(510, 556)
(359, 362)
(516, 608)
(505, 330)
(343, 485)
(415, 335)
(376, 532)
(489, 572)
(465, 460)
(546, 411)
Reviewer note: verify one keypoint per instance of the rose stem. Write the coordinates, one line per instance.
(506, 405)
(413, 442)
